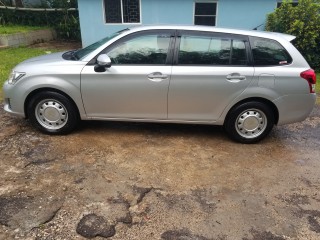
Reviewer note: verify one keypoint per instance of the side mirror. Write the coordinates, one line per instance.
(103, 62)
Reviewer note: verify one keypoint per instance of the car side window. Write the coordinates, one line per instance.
(146, 49)
(209, 50)
(268, 52)
(239, 53)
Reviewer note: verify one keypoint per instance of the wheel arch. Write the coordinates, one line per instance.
(269, 103)
(39, 90)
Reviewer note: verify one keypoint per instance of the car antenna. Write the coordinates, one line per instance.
(256, 28)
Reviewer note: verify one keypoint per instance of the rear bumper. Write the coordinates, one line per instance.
(294, 108)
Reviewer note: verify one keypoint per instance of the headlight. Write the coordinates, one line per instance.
(15, 76)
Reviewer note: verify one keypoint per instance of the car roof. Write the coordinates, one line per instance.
(255, 33)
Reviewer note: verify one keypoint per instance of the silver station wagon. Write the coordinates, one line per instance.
(246, 81)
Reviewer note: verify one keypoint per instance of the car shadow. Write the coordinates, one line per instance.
(159, 129)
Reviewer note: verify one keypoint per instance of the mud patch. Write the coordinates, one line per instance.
(39, 162)
(28, 212)
(91, 226)
(256, 235)
(313, 217)
(295, 199)
(142, 192)
(11, 205)
(204, 199)
(314, 223)
(183, 234)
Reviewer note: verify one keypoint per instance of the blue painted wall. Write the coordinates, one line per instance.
(167, 12)
(245, 14)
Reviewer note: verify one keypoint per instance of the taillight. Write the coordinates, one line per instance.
(310, 76)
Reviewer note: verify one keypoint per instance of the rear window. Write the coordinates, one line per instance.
(268, 52)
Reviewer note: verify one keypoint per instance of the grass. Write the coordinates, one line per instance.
(10, 57)
(17, 29)
(318, 83)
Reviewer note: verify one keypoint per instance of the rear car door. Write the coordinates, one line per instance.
(210, 70)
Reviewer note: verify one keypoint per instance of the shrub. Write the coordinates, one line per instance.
(65, 22)
(302, 21)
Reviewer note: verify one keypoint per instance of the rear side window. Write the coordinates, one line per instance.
(268, 52)
(211, 50)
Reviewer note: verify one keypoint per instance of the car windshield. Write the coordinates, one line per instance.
(81, 53)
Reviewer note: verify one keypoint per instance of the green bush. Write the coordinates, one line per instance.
(65, 22)
(302, 21)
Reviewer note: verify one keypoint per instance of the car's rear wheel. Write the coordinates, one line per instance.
(249, 122)
(53, 113)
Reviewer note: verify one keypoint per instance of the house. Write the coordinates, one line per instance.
(100, 18)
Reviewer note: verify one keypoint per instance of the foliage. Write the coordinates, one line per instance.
(6, 2)
(65, 22)
(302, 21)
(45, 3)
(60, 3)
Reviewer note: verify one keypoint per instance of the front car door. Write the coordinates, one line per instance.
(136, 84)
(210, 70)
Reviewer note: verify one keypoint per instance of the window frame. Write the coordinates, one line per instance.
(122, 23)
(205, 1)
(216, 35)
(169, 61)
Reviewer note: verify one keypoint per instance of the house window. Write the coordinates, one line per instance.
(294, 4)
(205, 13)
(122, 11)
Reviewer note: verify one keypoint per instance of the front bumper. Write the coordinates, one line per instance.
(13, 103)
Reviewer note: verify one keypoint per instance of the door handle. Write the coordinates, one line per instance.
(157, 77)
(235, 77)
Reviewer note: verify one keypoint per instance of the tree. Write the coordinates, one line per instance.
(16, 3)
(302, 21)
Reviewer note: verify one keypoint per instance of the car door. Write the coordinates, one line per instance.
(136, 84)
(210, 70)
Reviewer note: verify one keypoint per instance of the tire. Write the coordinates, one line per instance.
(52, 113)
(249, 122)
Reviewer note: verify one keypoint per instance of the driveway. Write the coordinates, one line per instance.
(158, 181)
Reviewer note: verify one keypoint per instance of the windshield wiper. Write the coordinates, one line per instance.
(74, 55)
(70, 55)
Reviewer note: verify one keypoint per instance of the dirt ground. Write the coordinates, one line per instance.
(158, 181)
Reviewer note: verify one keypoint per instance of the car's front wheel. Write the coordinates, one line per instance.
(52, 113)
(249, 122)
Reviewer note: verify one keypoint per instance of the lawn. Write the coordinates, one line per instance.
(10, 57)
(17, 29)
